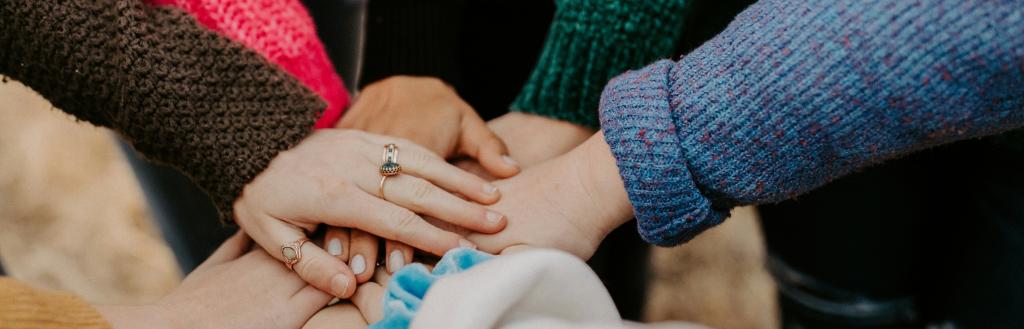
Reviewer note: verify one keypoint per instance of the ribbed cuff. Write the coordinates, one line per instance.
(669, 207)
(589, 43)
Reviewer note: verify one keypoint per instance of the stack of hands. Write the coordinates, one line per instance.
(519, 180)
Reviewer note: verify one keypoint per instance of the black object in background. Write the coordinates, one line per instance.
(186, 217)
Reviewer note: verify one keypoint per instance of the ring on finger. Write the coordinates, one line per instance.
(390, 167)
(292, 252)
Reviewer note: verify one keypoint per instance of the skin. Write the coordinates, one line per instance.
(431, 113)
(220, 293)
(315, 183)
(570, 203)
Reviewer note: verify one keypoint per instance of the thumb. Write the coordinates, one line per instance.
(479, 142)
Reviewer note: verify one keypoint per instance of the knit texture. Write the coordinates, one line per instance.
(283, 32)
(590, 42)
(22, 307)
(794, 94)
(180, 94)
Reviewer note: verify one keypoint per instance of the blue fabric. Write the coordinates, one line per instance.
(796, 93)
(408, 286)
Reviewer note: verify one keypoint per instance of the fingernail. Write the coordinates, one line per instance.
(333, 301)
(494, 217)
(466, 244)
(396, 260)
(334, 247)
(358, 264)
(490, 189)
(509, 160)
(339, 284)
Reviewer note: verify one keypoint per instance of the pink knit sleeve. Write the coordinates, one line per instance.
(283, 32)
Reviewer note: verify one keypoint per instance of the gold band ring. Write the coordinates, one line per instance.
(292, 252)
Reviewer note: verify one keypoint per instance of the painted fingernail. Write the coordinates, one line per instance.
(396, 260)
(490, 189)
(358, 264)
(339, 284)
(466, 244)
(494, 217)
(334, 247)
(509, 160)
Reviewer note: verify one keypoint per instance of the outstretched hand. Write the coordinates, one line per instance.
(570, 203)
(429, 112)
(332, 178)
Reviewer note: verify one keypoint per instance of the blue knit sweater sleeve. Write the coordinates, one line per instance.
(796, 93)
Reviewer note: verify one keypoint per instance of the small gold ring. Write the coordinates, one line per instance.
(292, 252)
(381, 190)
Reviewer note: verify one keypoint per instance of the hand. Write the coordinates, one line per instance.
(234, 288)
(532, 139)
(358, 249)
(430, 113)
(332, 177)
(570, 203)
(366, 307)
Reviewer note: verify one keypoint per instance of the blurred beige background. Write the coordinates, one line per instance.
(73, 218)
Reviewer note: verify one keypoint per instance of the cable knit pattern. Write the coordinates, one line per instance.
(590, 42)
(179, 93)
(796, 93)
(283, 32)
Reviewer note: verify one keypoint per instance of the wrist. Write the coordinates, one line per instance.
(599, 177)
(135, 316)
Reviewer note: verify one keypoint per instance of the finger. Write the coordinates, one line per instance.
(422, 197)
(309, 299)
(420, 162)
(382, 278)
(336, 240)
(368, 300)
(232, 248)
(315, 266)
(343, 315)
(398, 255)
(363, 255)
(473, 167)
(389, 221)
(479, 142)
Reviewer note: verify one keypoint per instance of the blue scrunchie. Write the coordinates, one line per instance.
(408, 286)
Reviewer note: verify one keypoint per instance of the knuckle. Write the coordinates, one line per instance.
(421, 194)
(405, 223)
(314, 270)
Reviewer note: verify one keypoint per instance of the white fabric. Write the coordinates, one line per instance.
(531, 289)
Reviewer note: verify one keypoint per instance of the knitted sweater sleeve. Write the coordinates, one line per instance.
(178, 93)
(796, 93)
(22, 307)
(591, 41)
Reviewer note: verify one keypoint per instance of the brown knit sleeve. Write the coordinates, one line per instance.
(178, 93)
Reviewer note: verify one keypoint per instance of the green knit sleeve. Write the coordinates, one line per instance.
(591, 41)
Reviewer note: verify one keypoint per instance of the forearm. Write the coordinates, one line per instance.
(590, 42)
(797, 93)
(178, 93)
